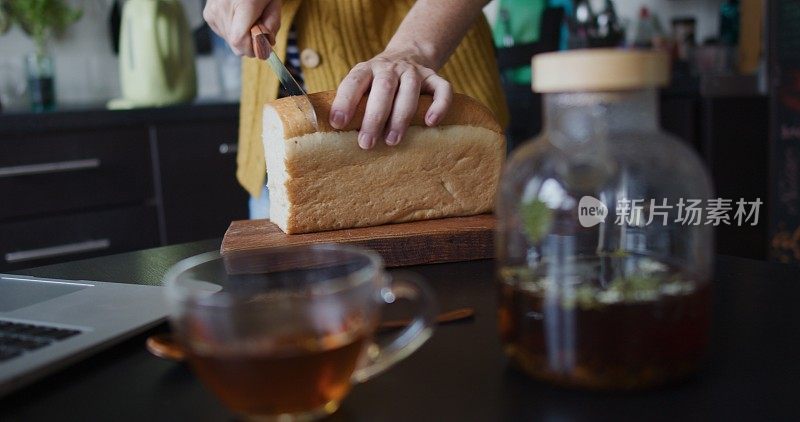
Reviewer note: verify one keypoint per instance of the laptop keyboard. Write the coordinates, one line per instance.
(17, 338)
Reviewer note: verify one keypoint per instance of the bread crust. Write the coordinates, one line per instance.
(464, 111)
(321, 180)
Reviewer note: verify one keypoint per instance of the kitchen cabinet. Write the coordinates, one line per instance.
(736, 147)
(69, 236)
(87, 182)
(198, 180)
(731, 135)
(52, 172)
(680, 115)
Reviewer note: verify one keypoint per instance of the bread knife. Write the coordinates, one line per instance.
(261, 42)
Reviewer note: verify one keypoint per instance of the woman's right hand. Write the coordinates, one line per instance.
(232, 20)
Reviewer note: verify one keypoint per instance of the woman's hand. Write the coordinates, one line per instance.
(232, 20)
(395, 81)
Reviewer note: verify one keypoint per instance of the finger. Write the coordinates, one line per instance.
(222, 21)
(215, 28)
(405, 106)
(214, 17)
(379, 105)
(349, 94)
(442, 98)
(271, 19)
(244, 15)
(210, 15)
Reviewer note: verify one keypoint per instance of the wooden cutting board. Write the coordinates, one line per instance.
(419, 242)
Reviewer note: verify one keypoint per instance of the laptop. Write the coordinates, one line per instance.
(46, 324)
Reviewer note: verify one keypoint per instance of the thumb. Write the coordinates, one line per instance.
(271, 19)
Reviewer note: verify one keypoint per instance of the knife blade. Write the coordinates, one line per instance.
(261, 41)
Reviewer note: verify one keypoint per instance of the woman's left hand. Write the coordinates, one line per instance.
(395, 81)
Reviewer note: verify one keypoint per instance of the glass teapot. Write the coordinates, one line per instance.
(603, 260)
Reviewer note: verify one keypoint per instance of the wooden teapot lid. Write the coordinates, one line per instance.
(599, 70)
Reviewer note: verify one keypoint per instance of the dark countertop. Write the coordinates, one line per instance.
(461, 373)
(94, 116)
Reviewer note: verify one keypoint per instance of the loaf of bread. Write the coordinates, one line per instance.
(321, 180)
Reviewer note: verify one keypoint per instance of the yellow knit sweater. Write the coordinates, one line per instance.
(343, 33)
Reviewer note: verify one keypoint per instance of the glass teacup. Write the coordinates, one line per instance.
(284, 334)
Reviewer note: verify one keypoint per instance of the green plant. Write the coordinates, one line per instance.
(5, 18)
(537, 218)
(42, 19)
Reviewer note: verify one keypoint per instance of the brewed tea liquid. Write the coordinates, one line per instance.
(601, 325)
(304, 374)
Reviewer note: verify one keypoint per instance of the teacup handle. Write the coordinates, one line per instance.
(381, 357)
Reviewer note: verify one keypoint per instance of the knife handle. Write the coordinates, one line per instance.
(262, 41)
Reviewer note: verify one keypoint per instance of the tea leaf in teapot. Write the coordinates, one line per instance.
(537, 219)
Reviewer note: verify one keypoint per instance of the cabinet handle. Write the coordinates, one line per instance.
(44, 168)
(59, 250)
(226, 149)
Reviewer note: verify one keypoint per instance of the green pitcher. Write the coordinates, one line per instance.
(156, 55)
